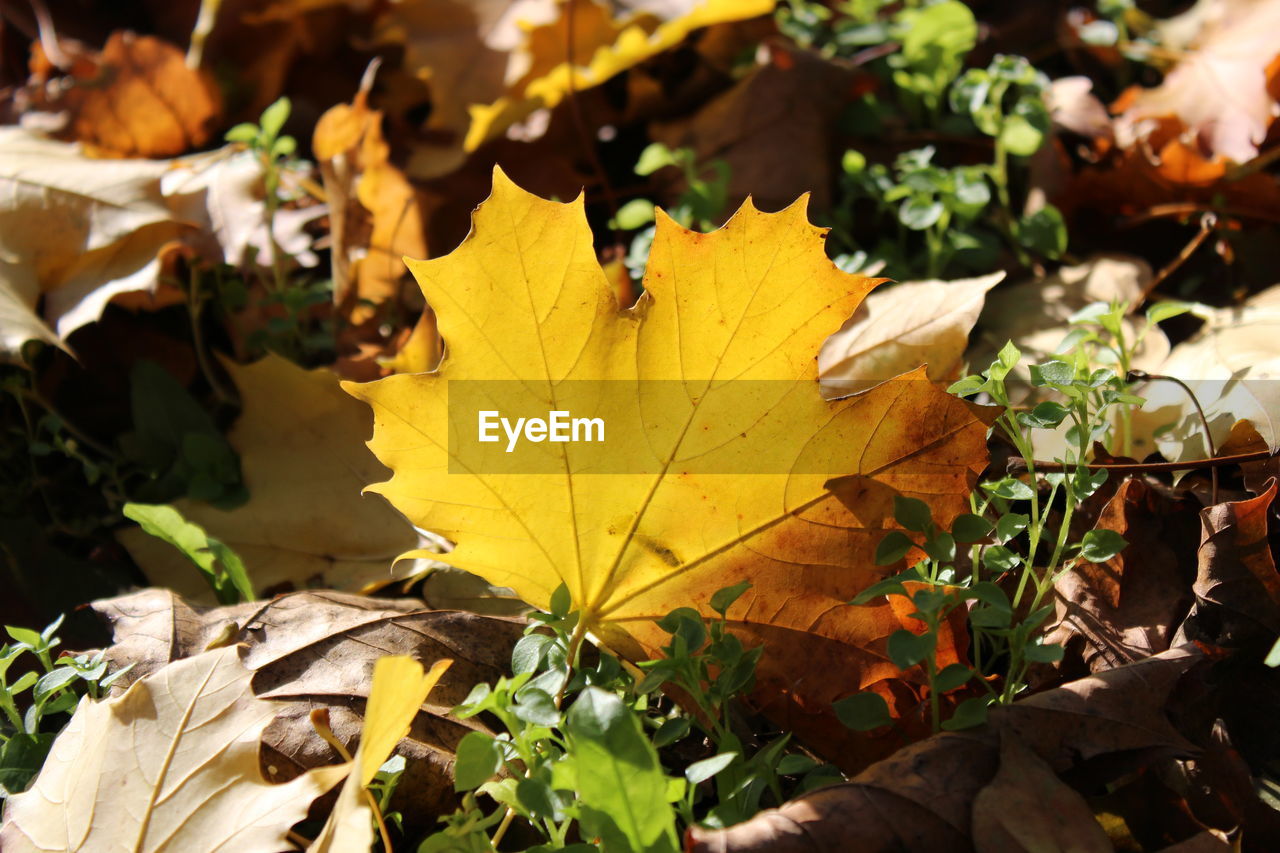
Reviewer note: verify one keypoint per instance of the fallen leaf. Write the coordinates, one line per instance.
(524, 299)
(74, 232)
(1128, 608)
(223, 194)
(1231, 365)
(1242, 439)
(318, 650)
(1219, 90)
(900, 328)
(137, 98)
(376, 216)
(399, 688)
(773, 128)
(1074, 107)
(302, 462)
(923, 796)
(1237, 587)
(171, 764)
(634, 42)
(1026, 807)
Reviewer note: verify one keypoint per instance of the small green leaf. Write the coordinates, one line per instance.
(671, 731)
(636, 213)
(952, 677)
(1045, 415)
(795, 764)
(274, 117)
(654, 157)
(912, 513)
(907, 649)
(528, 653)
(1010, 525)
(941, 548)
(863, 712)
(537, 707)
(1101, 545)
(478, 759)
(998, 558)
(892, 548)
(970, 528)
(1010, 489)
(700, 771)
(245, 132)
(723, 599)
(1162, 311)
(969, 713)
(561, 601)
(1043, 653)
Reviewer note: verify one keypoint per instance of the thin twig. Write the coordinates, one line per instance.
(1018, 465)
(1207, 223)
(1143, 376)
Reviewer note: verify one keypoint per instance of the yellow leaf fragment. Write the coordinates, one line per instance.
(631, 44)
(399, 689)
(727, 463)
(172, 764)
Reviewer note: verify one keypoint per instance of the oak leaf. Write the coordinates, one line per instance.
(732, 321)
(170, 765)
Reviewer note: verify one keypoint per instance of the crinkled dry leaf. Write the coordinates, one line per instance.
(318, 650)
(137, 98)
(1219, 91)
(524, 300)
(1113, 613)
(773, 128)
(493, 63)
(923, 796)
(170, 765)
(1232, 365)
(75, 231)
(900, 328)
(376, 215)
(300, 454)
(1237, 587)
(1026, 807)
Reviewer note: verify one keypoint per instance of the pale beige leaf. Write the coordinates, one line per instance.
(1219, 89)
(75, 229)
(306, 523)
(172, 765)
(1232, 365)
(899, 328)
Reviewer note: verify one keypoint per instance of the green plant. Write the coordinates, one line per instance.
(56, 686)
(943, 205)
(1006, 101)
(221, 566)
(288, 302)
(578, 753)
(699, 205)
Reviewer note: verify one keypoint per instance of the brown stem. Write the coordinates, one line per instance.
(1207, 223)
(1143, 376)
(1018, 465)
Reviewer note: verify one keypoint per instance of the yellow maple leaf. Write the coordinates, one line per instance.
(724, 462)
